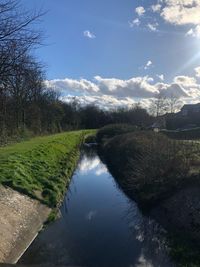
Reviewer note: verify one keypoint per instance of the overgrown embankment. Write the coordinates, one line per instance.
(187, 134)
(41, 167)
(149, 166)
(161, 174)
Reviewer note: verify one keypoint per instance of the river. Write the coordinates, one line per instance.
(99, 226)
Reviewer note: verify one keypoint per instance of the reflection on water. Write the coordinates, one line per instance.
(99, 226)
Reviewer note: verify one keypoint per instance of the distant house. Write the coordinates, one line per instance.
(190, 109)
(159, 124)
(187, 118)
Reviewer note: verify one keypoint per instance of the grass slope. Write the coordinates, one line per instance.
(41, 167)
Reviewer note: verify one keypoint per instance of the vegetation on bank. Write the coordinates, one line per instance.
(187, 134)
(184, 250)
(149, 166)
(42, 167)
(112, 130)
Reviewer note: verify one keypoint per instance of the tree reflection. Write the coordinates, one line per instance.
(89, 151)
(154, 249)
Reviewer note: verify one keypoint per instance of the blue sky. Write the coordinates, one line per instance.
(121, 40)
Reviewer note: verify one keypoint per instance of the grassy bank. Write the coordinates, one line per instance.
(149, 166)
(42, 167)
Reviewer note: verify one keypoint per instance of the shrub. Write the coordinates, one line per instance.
(146, 164)
(188, 134)
(112, 130)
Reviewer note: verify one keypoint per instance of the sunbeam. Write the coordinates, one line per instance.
(188, 63)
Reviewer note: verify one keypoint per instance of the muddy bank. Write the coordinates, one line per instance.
(21, 219)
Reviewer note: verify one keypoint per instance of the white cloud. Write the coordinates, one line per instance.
(197, 70)
(134, 87)
(140, 10)
(112, 92)
(181, 12)
(104, 101)
(152, 26)
(135, 22)
(185, 80)
(171, 89)
(148, 65)
(161, 77)
(89, 34)
(189, 85)
(176, 12)
(156, 8)
(194, 32)
(72, 86)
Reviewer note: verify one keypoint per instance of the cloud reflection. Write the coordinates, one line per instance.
(90, 215)
(95, 165)
(142, 262)
(101, 170)
(88, 165)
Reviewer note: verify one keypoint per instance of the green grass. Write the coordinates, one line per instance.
(42, 167)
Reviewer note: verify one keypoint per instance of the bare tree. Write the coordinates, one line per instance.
(173, 103)
(158, 105)
(17, 35)
(17, 38)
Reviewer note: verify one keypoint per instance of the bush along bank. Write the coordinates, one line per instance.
(147, 165)
(187, 134)
(42, 167)
(113, 130)
(162, 176)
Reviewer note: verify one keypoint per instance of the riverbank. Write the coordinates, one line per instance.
(41, 167)
(162, 175)
(147, 165)
(33, 177)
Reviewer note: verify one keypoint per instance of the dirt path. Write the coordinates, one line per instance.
(20, 220)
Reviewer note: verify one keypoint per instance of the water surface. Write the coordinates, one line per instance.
(99, 226)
